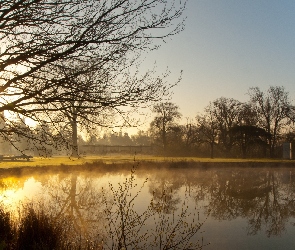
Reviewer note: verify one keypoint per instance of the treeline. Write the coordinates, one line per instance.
(226, 128)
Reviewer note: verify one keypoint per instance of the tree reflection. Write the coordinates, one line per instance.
(164, 188)
(264, 197)
(272, 208)
(154, 227)
(77, 199)
(110, 215)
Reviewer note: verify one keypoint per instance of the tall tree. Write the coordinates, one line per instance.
(43, 40)
(248, 136)
(272, 109)
(166, 115)
(190, 134)
(226, 112)
(207, 124)
(247, 115)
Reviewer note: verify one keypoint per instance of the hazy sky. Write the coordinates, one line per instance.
(229, 46)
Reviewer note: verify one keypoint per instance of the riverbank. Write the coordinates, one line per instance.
(131, 159)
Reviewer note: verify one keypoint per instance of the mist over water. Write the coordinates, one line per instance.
(236, 208)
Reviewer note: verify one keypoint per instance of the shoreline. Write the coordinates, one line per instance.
(115, 164)
(54, 162)
(115, 158)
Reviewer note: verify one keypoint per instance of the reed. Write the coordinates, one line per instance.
(7, 230)
(37, 230)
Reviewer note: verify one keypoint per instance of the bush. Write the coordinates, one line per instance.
(38, 231)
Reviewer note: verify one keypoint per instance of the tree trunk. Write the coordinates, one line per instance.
(244, 151)
(164, 135)
(74, 145)
(212, 150)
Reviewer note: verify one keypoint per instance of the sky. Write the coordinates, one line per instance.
(227, 47)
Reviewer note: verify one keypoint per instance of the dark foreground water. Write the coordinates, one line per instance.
(227, 208)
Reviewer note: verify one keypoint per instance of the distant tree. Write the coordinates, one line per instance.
(18, 136)
(272, 109)
(175, 138)
(119, 138)
(92, 139)
(103, 96)
(141, 138)
(190, 134)
(247, 115)
(248, 136)
(226, 112)
(208, 128)
(166, 115)
(82, 112)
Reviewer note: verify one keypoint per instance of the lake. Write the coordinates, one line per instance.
(214, 208)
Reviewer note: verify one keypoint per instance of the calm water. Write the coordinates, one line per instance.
(235, 208)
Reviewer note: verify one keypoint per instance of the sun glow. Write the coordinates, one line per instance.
(17, 191)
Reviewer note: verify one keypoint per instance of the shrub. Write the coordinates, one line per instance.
(7, 230)
(38, 231)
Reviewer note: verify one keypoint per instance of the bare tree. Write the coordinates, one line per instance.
(166, 114)
(247, 115)
(42, 41)
(190, 134)
(226, 112)
(208, 128)
(247, 133)
(271, 108)
(219, 117)
(248, 137)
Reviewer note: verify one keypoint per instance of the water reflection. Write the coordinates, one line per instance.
(265, 198)
(77, 198)
(260, 202)
(165, 191)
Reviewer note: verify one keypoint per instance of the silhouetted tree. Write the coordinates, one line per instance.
(226, 112)
(141, 138)
(190, 134)
(271, 107)
(164, 122)
(248, 136)
(247, 115)
(208, 128)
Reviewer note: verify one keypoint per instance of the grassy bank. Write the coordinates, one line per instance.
(69, 161)
(116, 159)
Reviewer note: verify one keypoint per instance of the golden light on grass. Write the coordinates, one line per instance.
(58, 161)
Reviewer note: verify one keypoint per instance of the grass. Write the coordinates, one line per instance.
(69, 161)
